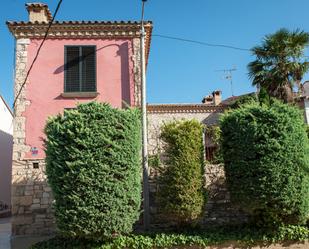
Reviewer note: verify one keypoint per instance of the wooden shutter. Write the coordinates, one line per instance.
(80, 69)
(88, 80)
(72, 69)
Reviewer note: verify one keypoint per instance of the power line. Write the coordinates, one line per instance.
(201, 42)
(206, 43)
(37, 53)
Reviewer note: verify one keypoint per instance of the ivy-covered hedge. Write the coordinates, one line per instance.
(265, 151)
(228, 237)
(181, 196)
(93, 167)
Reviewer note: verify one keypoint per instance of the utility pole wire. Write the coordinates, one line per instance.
(37, 53)
(206, 43)
(201, 43)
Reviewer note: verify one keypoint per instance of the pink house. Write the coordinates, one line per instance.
(80, 61)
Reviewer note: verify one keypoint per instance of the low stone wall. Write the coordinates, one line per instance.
(218, 210)
(31, 200)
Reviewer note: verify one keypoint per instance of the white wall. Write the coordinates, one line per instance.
(6, 145)
(307, 110)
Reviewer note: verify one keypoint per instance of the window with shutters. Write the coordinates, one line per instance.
(80, 69)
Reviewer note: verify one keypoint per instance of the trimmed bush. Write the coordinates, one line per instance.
(93, 167)
(181, 195)
(265, 151)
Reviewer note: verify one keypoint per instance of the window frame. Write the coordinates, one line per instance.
(80, 69)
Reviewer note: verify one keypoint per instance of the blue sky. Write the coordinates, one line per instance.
(177, 71)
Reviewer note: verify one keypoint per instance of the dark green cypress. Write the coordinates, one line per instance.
(265, 151)
(181, 195)
(93, 166)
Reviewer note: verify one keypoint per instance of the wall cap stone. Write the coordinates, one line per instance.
(184, 108)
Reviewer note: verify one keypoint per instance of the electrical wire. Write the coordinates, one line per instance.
(205, 43)
(201, 43)
(37, 53)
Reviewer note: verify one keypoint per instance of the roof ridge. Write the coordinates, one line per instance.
(79, 22)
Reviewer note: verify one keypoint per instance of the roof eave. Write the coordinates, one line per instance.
(82, 29)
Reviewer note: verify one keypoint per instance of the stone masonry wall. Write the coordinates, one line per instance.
(31, 197)
(137, 71)
(218, 210)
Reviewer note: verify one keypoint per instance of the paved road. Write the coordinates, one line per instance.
(5, 232)
(15, 243)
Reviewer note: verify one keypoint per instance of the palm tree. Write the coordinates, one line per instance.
(280, 63)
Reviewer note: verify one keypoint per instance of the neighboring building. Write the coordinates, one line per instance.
(206, 112)
(305, 98)
(302, 100)
(80, 61)
(219, 209)
(6, 145)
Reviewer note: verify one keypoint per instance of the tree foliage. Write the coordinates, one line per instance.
(244, 100)
(265, 151)
(181, 195)
(93, 168)
(280, 63)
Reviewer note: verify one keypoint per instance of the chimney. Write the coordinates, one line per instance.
(208, 100)
(38, 12)
(216, 97)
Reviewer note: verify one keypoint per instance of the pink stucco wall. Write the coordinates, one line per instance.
(115, 82)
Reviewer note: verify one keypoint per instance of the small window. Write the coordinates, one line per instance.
(80, 69)
(210, 152)
(35, 165)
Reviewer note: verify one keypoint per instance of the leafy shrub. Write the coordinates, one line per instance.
(244, 100)
(181, 194)
(246, 237)
(265, 151)
(264, 97)
(93, 168)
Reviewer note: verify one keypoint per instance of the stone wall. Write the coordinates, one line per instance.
(219, 210)
(31, 197)
(137, 71)
(157, 118)
(32, 200)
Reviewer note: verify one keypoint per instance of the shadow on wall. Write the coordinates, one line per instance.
(212, 119)
(123, 50)
(6, 148)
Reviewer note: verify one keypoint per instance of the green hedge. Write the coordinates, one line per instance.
(265, 151)
(93, 167)
(181, 195)
(236, 237)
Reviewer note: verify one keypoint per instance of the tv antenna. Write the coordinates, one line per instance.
(228, 75)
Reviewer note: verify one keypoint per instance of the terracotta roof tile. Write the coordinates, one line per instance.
(82, 22)
(184, 108)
